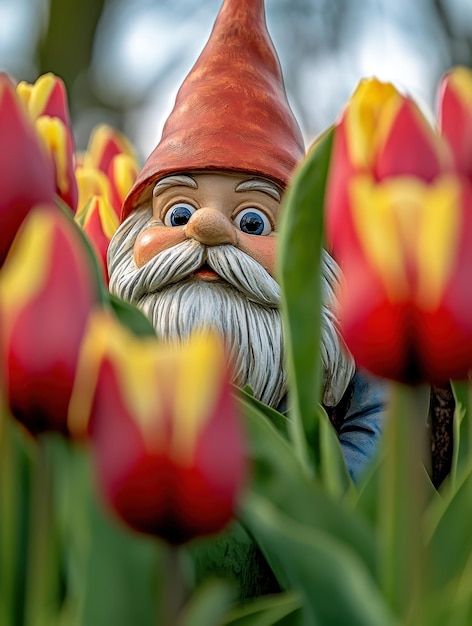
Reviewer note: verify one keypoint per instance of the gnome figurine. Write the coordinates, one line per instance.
(197, 242)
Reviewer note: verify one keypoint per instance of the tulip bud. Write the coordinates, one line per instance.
(122, 173)
(46, 102)
(47, 290)
(26, 174)
(91, 182)
(398, 219)
(455, 117)
(165, 430)
(99, 222)
(104, 145)
(57, 141)
(381, 134)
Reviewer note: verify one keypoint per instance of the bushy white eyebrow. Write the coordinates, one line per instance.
(257, 184)
(173, 181)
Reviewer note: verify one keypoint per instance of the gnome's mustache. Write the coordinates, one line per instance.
(181, 261)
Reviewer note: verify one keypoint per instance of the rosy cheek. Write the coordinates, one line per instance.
(154, 240)
(261, 249)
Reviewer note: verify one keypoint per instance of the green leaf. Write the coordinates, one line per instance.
(333, 471)
(16, 458)
(277, 474)
(111, 574)
(462, 435)
(336, 586)
(450, 538)
(208, 605)
(300, 245)
(266, 611)
(131, 317)
(279, 420)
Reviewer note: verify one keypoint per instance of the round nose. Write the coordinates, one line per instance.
(211, 228)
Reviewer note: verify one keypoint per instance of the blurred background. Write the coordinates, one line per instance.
(123, 60)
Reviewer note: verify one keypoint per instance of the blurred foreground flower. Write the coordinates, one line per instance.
(400, 222)
(46, 101)
(165, 430)
(26, 175)
(47, 290)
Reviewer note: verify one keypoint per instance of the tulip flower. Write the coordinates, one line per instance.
(400, 226)
(26, 175)
(47, 290)
(99, 222)
(112, 159)
(104, 145)
(455, 117)
(46, 102)
(122, 173)
(164, 427)
(381, 134)
(91, 182)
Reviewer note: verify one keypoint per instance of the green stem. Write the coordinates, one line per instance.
(403, 499)
(8, 520)
(173, 594)
(43, 564)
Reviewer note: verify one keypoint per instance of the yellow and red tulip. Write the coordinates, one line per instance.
(165, 430)
(46, 102)
(455, 117)
(108, 168)
(104, 145)
(26, 175)
(122, 173)
(381, 134)
(47, 290)
(400, 224)
(99, 222)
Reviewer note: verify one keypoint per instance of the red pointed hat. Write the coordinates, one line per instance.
(231, 112)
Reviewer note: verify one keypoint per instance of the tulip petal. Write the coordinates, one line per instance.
(46, 294)
(410, 148)
(105, 143)
(455, 116)
(26, 173)
(409, 232)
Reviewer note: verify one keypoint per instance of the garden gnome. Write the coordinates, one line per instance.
(196, 245)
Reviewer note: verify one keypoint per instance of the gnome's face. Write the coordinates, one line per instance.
(202, 253)
(213, 209)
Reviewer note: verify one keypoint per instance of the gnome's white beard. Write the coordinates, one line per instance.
(243, 307)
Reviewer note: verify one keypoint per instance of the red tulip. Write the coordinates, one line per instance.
(99, 222)
(399, 223)
(26, 175)
(122, 173)
(455, 117)
(381, 134)
(165, 430)
(104, 145)
(47, 290)
(46, 102)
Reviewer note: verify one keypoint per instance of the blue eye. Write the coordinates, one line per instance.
(179, 214)
(253, 222)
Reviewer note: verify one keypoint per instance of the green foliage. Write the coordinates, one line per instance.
(301, 239)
